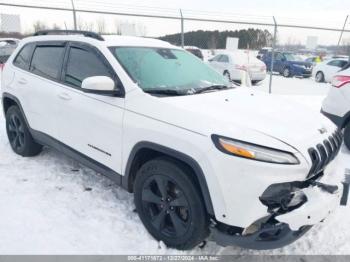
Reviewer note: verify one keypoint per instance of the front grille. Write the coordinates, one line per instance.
(324, 153)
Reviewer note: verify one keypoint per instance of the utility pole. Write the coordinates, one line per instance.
(182, 30)
(74, 15)
(341, 33)
(273, 53)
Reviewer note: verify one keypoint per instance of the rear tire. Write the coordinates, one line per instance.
(169, 204)
(21, 141)
(319, 78)
(347, 136)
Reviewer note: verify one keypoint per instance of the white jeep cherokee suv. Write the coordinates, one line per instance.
(202, 158)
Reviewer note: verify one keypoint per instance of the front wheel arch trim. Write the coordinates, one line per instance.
(198, 172)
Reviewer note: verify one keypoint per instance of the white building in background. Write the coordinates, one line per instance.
(10, 23)
(232, 43)
(132, 29)
(311, 42)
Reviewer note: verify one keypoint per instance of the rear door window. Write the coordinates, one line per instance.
(279, 57)
(216, 58)
(47, 61)
(82, 64)
(224, 59)
(337, 63)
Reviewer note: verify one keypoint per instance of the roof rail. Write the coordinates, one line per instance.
(70, 32)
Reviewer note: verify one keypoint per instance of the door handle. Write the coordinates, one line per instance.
(22, 81)
(64, 96)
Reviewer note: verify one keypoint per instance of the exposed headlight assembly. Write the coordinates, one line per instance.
(252, 151)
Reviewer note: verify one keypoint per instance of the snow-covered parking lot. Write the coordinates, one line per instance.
(51, 205)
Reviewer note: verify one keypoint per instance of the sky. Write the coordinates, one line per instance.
(321, 13)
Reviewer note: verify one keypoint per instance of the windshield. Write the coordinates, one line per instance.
(167, 69)
(290, 57)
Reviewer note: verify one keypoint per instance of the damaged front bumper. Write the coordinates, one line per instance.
(293, 208)
(271, 236)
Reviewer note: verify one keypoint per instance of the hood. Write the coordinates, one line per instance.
(240, 112)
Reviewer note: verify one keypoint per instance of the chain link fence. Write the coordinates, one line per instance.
(192, 29)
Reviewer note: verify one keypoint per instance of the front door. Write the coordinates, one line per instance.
(89, 123)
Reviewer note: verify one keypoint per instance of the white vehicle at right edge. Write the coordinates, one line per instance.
(336, 106)
(203, 158)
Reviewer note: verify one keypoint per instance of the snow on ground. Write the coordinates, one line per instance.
(51, 205)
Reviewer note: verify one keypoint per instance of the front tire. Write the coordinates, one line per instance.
(227, 76)
(169, 204)
(286, 72)
(21, 141)
(347, 136)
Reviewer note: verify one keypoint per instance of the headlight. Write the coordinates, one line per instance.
(255, 152)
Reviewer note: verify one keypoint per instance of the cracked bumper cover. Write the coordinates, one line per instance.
(319, 205)
(286, 223)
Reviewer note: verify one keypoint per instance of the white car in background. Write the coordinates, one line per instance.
(324, 72)
(7, 46)
(234, 64)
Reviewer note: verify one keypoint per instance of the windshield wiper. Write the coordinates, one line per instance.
(210, 88)
(161, 91)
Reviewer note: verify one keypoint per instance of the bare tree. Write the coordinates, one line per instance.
(85, 26)
(101, 25)
(117, 27)
(39, 25)
(141, 29)
(56, 27)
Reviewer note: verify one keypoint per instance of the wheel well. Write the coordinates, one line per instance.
(142, 156)
(146, 154)
(7, 103)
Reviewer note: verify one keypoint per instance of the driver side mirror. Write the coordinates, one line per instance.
(100, 85)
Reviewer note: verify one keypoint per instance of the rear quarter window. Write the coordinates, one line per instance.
(22, 59)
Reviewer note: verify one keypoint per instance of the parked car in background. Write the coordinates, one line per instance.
(336, 105)
(314, 60)
(324, 71)
(7, 46)
(234, 64)
(263, 51)
(195, 51)
(288, 65)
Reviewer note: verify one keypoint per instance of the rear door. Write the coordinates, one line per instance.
(37, 83)
(214, 62)
(279, 63)
(89, 123)
(224, 63)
